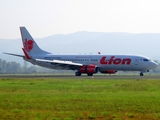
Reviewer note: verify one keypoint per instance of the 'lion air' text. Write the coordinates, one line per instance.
(116, 61)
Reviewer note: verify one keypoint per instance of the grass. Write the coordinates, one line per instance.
(78, 99)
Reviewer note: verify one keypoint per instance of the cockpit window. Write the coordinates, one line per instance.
(145, 60)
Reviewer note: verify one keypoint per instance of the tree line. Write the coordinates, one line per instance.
(16, 68)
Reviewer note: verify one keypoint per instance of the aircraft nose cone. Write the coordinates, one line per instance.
(153, 64)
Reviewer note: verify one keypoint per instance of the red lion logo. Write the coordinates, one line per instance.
(28, 45)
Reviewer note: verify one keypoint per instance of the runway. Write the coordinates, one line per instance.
(84, 76)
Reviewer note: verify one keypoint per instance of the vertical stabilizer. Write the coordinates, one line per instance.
(29, 45)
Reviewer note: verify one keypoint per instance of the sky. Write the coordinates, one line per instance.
(48, 17)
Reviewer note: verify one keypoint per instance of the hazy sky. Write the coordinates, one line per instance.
(47, 17)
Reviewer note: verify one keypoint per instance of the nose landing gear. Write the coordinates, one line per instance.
(141, 74)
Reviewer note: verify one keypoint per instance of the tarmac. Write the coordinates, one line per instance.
(137, 77)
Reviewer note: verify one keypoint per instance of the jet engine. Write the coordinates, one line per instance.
(88, 69)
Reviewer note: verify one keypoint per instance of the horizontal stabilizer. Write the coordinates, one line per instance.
(14, 54)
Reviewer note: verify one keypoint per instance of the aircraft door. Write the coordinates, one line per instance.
(136, 61)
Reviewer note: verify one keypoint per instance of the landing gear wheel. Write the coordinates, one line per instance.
(141, 74)
(90, 74)
(77, 73)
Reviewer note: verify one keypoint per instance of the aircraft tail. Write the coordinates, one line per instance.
(29, 45)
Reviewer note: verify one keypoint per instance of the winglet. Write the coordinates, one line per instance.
(26, 54)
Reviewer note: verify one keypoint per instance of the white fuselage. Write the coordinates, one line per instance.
(103, 62)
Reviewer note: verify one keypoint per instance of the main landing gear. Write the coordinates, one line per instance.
(79, 74)
(141, 74)
(90, 74)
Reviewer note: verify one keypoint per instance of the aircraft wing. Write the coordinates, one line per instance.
(64, 64)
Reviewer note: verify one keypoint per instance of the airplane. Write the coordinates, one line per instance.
(82, 64)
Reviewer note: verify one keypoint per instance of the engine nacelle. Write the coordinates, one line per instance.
(88, 69)
(108, 71)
